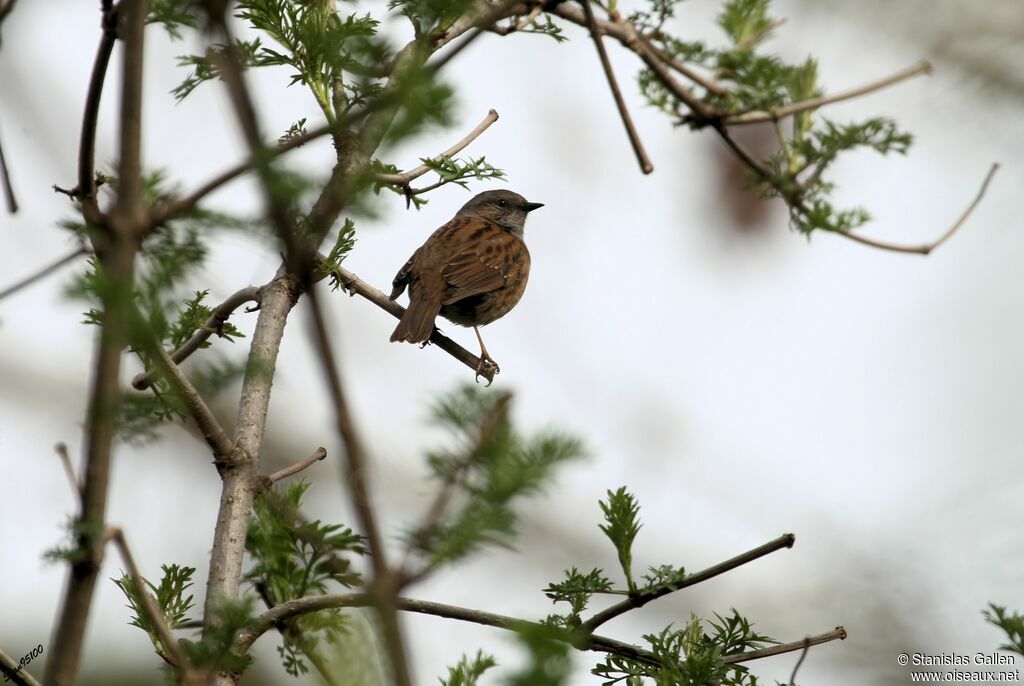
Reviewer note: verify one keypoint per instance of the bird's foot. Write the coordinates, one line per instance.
(487, 369)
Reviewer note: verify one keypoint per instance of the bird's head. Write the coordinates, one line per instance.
(505, 208)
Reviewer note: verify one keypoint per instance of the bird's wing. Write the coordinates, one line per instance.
(489, 258)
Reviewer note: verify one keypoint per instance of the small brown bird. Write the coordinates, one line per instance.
(471, 271)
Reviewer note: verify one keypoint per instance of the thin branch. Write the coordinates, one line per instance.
(476, 25)
(69, 470)
(796, 668)
(214, 435)
(839, 633)
(87, 142)
(5, 177)
(353, 284)
(602, 644)
(708, 84)
(173, 208)
(927, 248)
(153, 612)
(16, 672)
(318, 454)
(628, 35)
(5, 8)
(42, 272)
(634, 138)
(211, 326)
(383, 587)
(746, 157)
(776, 113)
(117, 258)
(641, 599)
(406, 177)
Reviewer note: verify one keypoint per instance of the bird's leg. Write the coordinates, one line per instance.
(485, 357)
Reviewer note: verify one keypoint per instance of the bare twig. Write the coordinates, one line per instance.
(627, 121)
(153, 612)
(927, 248)
(16, 672)
(318, 454)
(69, 470)
(776, 113)
(42, 273)
(796, 668)
(354, 284)
(118, 257)
(839, 633)
(213, 325)
(628, 35)
(5, 178)
(641, 599)
(406, 177)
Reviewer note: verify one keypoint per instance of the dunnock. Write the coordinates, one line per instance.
(471, 271)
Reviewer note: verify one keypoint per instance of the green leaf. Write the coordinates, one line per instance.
(468, 671)
(621, 526)
(1012, 623)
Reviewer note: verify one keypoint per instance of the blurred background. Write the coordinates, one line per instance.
(741, 380)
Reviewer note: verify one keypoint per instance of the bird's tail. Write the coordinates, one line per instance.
(417, 323)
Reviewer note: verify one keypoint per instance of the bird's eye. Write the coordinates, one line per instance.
(503, 203)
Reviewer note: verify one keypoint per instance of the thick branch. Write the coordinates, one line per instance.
(240, 474)
(641, 599)
(354, 284)
(776, 113)
(620, 103)
(407, 177)
(117, 260)
(213, 325)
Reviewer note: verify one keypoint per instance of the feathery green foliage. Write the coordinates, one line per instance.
(1012, 623)
(467, 671)
(293, 558)
(489, 468)
(170, 598)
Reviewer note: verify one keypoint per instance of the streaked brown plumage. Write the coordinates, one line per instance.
(471, 271)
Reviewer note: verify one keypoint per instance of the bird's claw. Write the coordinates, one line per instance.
(487, 369)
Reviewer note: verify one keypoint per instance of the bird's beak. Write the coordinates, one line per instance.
(531, 206)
